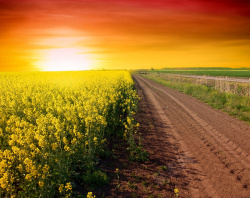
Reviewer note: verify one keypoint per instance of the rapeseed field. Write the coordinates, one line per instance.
(56, 125)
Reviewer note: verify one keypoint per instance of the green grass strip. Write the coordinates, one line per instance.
(233, 104)
(229, 73)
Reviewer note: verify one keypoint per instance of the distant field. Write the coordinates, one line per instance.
(232, 73)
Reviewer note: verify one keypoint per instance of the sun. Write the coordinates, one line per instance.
(63, 59)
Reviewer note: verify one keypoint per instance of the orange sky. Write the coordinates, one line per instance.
(123, 34)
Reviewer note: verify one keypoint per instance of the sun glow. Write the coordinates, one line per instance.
(63, 59)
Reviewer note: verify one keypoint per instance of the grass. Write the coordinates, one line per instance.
(209, 71)
(229, 73)
(233, 104)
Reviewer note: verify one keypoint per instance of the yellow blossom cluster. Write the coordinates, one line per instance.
(53, 123)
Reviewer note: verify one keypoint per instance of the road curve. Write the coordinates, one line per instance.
(211, 147)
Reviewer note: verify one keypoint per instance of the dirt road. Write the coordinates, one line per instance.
(210, 150)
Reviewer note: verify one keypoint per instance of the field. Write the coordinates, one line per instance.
(77, 134)
(209, 72)
(55, 126)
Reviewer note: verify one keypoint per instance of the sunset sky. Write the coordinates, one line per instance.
(123, 34)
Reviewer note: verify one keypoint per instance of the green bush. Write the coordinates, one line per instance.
(95, 179)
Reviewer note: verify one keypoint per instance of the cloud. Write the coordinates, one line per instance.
(122, 26)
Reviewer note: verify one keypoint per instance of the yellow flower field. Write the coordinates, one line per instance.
(54, 125)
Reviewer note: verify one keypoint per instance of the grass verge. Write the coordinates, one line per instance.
(235, 105)
(230, 73)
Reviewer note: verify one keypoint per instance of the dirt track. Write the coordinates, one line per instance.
(211, 149)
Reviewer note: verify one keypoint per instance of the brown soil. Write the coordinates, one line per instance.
(199, 150)
(212, 148)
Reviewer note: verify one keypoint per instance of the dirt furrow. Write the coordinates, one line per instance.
(214, 162)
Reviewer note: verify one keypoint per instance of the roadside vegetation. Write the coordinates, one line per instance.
(231, 103)
(239, 72)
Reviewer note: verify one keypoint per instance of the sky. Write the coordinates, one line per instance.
(123, 34)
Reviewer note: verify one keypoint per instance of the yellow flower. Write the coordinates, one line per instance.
(4, 180)
(61, 187)
(3, 164)
(176, 192)
(46, 169)
(90, 195)
(68, 187)
(28, 177)
(41, 183)
(74, 141)
(41, 142)
(20, 167)
(65, 140)
(128, 120)
(54, 146)
(66, 148)
(103, 140)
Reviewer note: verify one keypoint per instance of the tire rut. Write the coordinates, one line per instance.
(215, 165)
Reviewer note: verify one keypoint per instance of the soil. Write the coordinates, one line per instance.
(201, 151)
